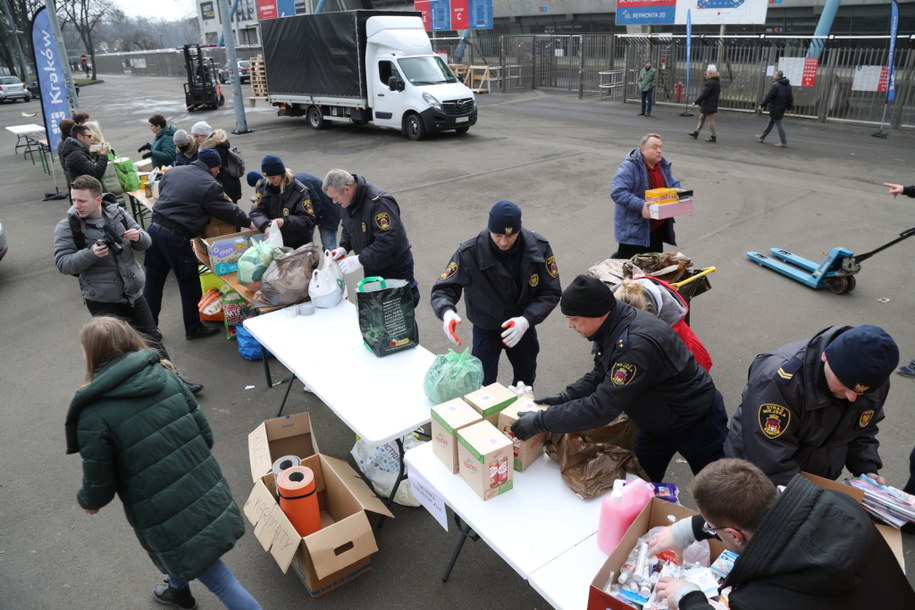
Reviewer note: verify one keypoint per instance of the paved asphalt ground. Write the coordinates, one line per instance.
(552, 154)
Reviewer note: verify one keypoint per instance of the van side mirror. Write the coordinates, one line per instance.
(395, 83)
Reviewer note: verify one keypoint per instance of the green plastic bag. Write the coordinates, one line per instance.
(453, 375)
(254, 262)
(125, 170)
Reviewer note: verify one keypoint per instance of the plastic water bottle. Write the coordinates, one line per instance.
(619, 509)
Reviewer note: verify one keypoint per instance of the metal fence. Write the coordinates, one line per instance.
(574, 63)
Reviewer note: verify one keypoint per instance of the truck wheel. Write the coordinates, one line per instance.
(461, 129)
(413, 127)
(222, 99)
(315, 118)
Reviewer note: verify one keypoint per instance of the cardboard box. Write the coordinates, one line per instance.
(656, 514)
(274, 438)
(662, 196)
(485, 459)
(525, 452)
(341, 550)
(447, 419)
(680, 207)
(491, 399)
(217, 228)
(144, 165)
(221, 253)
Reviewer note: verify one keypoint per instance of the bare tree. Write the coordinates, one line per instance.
(21, 12)
(85, 16)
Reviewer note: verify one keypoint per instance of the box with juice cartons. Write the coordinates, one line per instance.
(485, 456)
(447, 419)
(525, 452)
(491, 399)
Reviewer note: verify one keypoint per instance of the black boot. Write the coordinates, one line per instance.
(180, 598)
(693, 134)
(711, 139)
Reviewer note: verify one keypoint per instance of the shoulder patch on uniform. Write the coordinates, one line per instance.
(450, 270)
(865, 418)
(534, 280)
(773, 419)
(621, 373)
(551, 267)
(309, 207)
(786, 372)
(383, 221)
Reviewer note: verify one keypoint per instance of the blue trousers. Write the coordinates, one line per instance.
(488, 346)
(700, 445)
(647, 100)
(222, 583)
(172, 252)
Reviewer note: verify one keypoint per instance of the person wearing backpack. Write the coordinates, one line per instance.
(96, 243)
(232, 166)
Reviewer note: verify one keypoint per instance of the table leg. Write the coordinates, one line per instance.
(267, 375)
(286, 395)
(400, 477)
(466, 533)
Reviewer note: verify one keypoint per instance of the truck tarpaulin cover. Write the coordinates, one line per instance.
(318, 54)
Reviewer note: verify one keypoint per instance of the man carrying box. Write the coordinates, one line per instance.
(642, 368)
(188, 196)
(806, 548)
(643, 169)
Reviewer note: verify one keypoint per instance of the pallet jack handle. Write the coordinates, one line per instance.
(904, 235)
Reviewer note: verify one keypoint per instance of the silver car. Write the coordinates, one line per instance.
(12, 89)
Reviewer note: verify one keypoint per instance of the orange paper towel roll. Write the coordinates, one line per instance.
(296, 486)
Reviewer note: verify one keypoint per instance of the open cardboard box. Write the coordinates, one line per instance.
(221, 253)
(278, 437)
(341, 550)
(656, 514)
(659, 211)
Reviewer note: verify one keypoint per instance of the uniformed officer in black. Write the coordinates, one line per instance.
(511, 284)
(814, 405)
(371, 228)
(642, 368)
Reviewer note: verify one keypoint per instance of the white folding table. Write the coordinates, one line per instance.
(565, 582)
(530, 526)
(380, 399)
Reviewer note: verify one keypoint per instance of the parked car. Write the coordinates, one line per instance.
(2, 242)
(244, 72)
(33, 88)
(12, 89)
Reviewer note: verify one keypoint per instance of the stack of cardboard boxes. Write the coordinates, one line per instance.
(667, 203)
(472, 437)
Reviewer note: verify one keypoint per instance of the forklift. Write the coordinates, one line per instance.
(202, 90)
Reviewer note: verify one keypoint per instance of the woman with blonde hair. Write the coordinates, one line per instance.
(279, 196)
(142, 436)
(659, 298)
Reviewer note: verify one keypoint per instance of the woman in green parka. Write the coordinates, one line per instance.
(142, 437)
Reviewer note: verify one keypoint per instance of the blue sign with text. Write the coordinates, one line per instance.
(55, 101)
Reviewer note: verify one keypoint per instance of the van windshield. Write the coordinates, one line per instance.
(427, 70)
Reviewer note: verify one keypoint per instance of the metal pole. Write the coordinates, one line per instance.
(15, 34)
(64, 58)
(241, 123)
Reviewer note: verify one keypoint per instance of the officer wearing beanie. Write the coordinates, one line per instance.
(327, 215)
(814, 405)
(641, 368)
(511, 282)
(188, 196)
(278, 195)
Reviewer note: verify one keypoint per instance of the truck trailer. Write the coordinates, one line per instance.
(366, 67)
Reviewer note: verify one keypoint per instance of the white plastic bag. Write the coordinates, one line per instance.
(381, 464)
(274, 234)
(327, 287)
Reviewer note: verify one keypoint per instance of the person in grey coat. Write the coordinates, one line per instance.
(96, 242)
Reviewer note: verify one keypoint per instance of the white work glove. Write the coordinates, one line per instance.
(350, 264)
(451, 320)
(337, 254)
(515, 329)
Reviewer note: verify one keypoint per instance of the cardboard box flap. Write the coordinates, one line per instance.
(271, 527)
(340, 545)
(356, 486)
(274, 438)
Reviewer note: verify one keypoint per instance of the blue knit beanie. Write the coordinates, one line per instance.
(273, 166)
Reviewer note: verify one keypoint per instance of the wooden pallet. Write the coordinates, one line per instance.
(478, 78)
(258, 77)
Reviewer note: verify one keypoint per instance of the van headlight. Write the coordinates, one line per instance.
(430, 99)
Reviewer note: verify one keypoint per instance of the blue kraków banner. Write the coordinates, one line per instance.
(55, 101)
